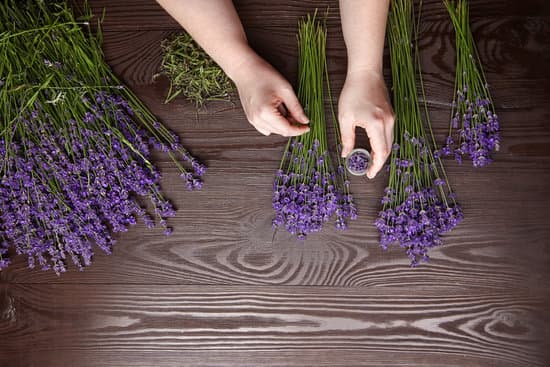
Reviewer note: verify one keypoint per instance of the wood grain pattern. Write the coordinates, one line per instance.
(147, 15)
(223, 291)
(237, 246)
(123, 319)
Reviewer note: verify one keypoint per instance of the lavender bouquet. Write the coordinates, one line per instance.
(418, 206)
(74, 143)
(307, 190)
(474, 129)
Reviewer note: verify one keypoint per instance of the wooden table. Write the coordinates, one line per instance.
(222, 291)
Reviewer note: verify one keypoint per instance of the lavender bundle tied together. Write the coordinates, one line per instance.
(75, 144)
(307, 190)
(418, 206)
(474, 129)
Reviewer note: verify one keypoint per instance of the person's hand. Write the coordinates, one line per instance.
(269, 101)
(364, 102)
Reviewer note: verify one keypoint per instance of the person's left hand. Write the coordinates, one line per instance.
(364, 102)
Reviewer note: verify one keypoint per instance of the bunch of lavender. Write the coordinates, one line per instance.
(418, 206)
(75, 144)
(307, 190)
(474, 128)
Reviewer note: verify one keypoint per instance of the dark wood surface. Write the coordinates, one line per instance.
(222, 292)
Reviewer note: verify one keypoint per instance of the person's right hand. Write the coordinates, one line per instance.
(364, 102)
(266, 98)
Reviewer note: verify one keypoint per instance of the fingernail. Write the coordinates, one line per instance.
(370, 176)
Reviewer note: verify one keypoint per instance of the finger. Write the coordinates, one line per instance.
(261, 127)
(388, 129)
(282, 109)
(379, 151)
(280, 125)
(273, 120)
(284, 128)
(293, 106)
(263, 131)
(347, 134)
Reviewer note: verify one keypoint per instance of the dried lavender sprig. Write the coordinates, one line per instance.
(474, 129)
(192, 72)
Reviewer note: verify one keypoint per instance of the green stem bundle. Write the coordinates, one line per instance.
(418, 206)
(308, 191)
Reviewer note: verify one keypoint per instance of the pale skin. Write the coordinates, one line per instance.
(263, 91)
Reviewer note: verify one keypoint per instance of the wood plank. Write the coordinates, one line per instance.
(245, 358)
(148, 15)
(220, 238)
(491, 329)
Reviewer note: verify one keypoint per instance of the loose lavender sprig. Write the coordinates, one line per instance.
(75, 144)
(475, 128)
(307, 191)
(418, 206)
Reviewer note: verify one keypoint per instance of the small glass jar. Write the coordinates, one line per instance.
(358, 161)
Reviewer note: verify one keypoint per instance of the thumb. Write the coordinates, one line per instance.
(347, 132)
(294, 107)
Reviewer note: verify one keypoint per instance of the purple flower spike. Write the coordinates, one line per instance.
(303, 202)
(417, 224)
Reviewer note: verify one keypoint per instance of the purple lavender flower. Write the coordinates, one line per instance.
(478, 132)
(439, 182)
(474, 124)
(417, 209)
(72, 187)
(306, 194)
(417, 223)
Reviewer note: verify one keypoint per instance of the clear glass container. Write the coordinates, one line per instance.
(358, 162)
